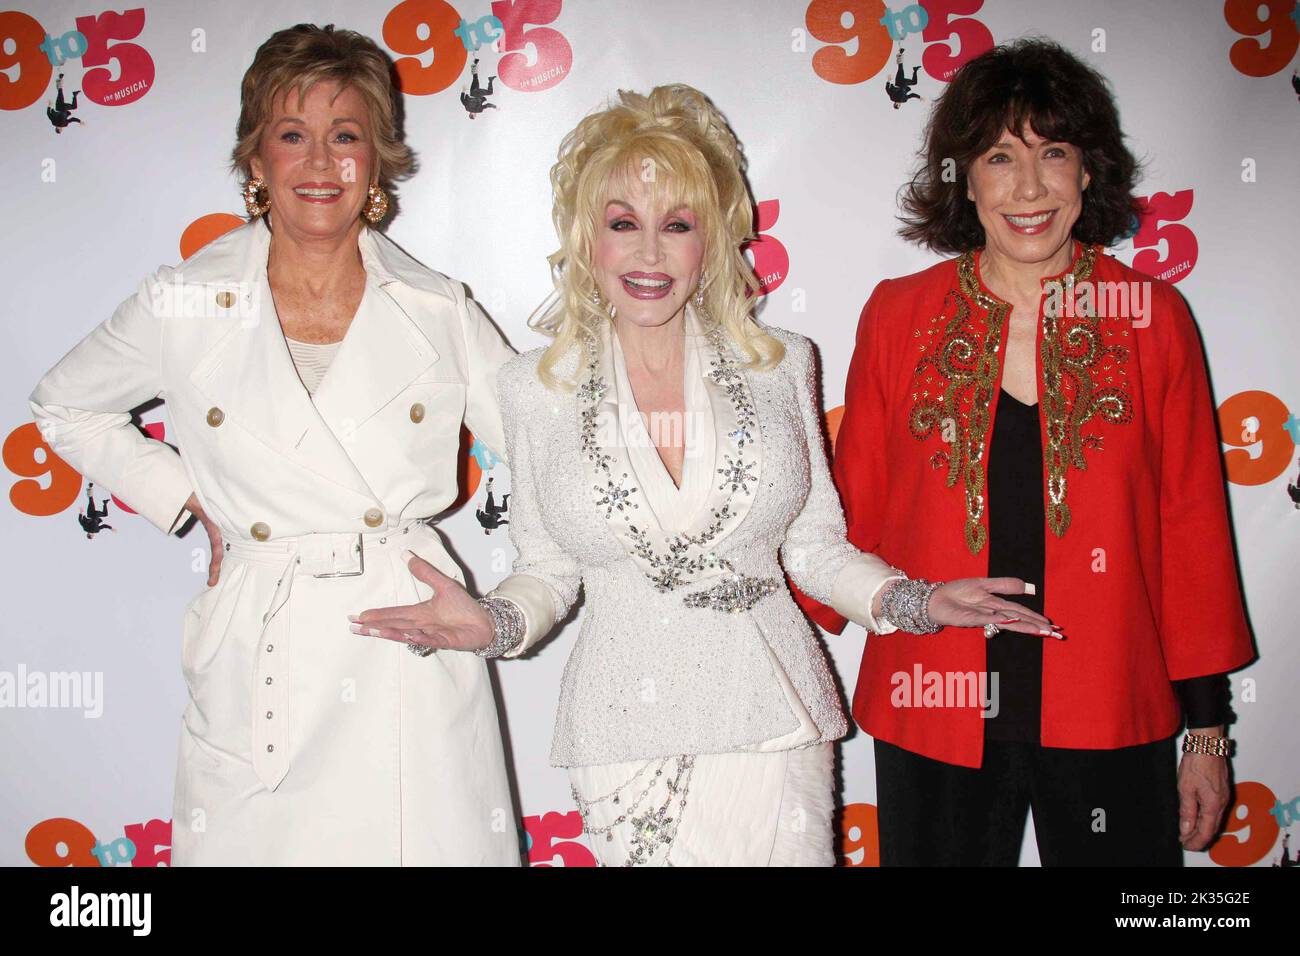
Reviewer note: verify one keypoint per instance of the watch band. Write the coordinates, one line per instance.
(1207, 744)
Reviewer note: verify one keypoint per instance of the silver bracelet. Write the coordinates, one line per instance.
(507, 625)
(905, 604)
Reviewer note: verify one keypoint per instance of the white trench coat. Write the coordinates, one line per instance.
(303, 743)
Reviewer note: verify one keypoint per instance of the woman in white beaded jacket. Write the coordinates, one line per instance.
(667, 456)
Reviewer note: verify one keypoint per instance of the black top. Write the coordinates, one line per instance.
(1017, 523)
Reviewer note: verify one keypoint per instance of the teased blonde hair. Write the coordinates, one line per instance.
(299, 58)
(677, 142)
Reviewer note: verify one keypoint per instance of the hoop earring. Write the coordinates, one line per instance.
(376, 207)
(257, 198)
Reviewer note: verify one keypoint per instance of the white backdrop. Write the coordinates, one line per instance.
(92, 210)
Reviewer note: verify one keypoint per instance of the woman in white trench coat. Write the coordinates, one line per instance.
(302, 743)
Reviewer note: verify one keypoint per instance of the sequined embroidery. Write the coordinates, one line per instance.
(684, 556)
(964, 358)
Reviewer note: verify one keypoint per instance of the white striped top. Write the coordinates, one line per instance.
(312, 361)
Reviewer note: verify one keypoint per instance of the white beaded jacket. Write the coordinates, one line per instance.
(651, 675)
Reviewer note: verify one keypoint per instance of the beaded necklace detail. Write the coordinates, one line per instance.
(684, 557)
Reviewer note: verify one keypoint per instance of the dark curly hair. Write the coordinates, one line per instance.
(1063, 100)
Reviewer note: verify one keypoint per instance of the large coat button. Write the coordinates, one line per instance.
(226, 299)
(261, 531)
(417, 413)
(374, 518)
(215, 416)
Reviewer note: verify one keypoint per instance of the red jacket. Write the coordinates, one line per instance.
(1140, 572)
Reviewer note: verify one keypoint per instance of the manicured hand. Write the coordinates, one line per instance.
(449, 619)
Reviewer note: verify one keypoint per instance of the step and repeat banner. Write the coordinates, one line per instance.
(117, 130)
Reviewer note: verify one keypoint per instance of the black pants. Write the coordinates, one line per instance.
(1091, 807)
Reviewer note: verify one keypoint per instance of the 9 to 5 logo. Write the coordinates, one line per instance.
(120, 72)
(951, 36)
(65, 842)
(416, 28)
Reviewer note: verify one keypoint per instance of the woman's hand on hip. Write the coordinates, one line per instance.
(974, 602)
(450, 618)
(214, 538)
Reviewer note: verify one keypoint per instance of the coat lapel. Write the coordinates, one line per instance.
(671, 560)
(738, 462)
(249, 373)
(382, 353)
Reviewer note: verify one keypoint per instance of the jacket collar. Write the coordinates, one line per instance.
(249, 374)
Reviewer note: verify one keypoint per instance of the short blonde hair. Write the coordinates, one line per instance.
(299, 58)
(677, 136)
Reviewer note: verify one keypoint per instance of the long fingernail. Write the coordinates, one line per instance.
(1030, 589)
(353, 618)
(1011, 620)
(408, 554)
(356, 629)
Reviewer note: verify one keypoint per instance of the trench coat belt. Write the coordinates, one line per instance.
(320, 555)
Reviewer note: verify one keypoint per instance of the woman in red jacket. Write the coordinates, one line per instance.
(1034, 408)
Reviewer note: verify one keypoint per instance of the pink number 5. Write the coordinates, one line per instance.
(135, 65)
(553, 57)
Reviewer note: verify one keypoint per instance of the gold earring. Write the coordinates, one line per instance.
(257, 198)
(376, 204)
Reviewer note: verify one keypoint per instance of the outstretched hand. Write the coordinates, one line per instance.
(974, 602)
(449, 619)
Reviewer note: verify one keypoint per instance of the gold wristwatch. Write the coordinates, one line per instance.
(1207, 744)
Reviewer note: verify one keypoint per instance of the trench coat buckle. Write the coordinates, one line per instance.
(357, 548)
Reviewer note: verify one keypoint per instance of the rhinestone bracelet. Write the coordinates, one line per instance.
(905, 604)
(507, 625)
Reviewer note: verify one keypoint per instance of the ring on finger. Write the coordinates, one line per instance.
(991, 629)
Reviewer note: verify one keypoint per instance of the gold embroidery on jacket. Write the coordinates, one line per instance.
(956, 380)
(1072, 348)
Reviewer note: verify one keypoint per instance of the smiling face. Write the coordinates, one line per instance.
(1028, 196)
(646, 258)
(317, 161)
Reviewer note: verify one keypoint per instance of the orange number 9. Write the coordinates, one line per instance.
(1260, 827)
(34, 67)
(43, 843)
(1276, 444)
(1252, 57)
(402, 28)
(825, 19)
(29, 496)
(861, 835)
